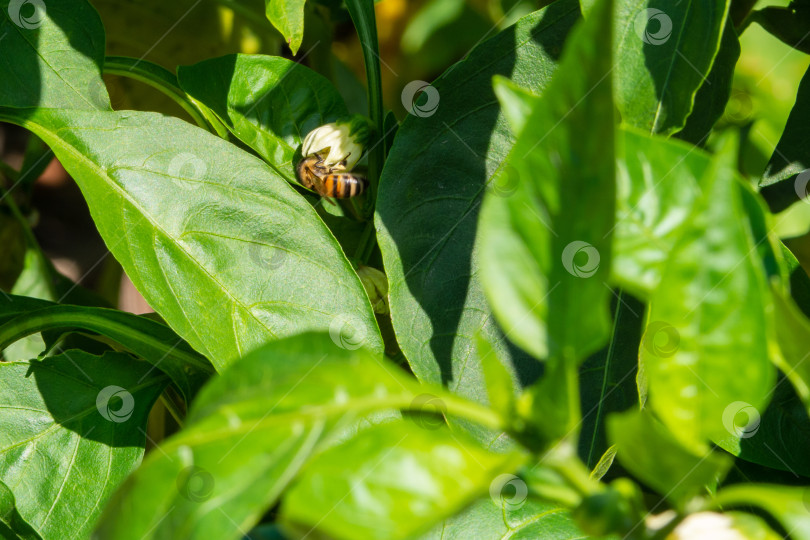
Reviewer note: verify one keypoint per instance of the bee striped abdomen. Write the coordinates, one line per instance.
(343, 185)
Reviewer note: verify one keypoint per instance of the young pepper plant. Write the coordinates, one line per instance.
(567, 285)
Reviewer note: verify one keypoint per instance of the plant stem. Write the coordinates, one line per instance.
(362, 14)
(161, 79)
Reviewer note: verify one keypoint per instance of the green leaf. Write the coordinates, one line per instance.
(559, 219)
(177, 206)
(790, 24)
(512, 515)
(429, 200)
(12, 525)
(608, 378)
(648, 450)
(697, 334)
(793, 336)
(788, 505)
(252, 429)
(269, 103)
(288, 18)
(775, 437)
(53, 51)
(565, 172)
(152, 341)
(662, 58)
(658, 182)
(499, 384)
(66, 420)
(392, 481)
(785, 180)
(712, 97)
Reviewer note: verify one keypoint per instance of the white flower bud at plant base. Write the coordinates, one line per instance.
(707, 526)
(342, 142)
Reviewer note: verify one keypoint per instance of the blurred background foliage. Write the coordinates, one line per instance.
(419, 39)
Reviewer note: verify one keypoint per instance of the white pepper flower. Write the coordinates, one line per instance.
(340, 143)
(707, 526)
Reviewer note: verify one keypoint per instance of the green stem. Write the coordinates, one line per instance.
(362, 14)
(64, 316)
(160, 79)
(174, 408)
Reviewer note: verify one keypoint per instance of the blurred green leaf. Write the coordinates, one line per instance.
(177, 206)
(658, 182)
(72, 429)
(391, 482)
(647, 448)
(53, 52)
(788, 505)
(559, 217)
(288, 18)
(252, 429)
(443, 157)
(429, 19)
(664, 52)
(497, 379)
(513, 516)
(269, 103)
(713, 95)
(697, 334)
(790, 24)
(785, 180)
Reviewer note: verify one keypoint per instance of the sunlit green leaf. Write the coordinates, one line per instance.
(697, 333)
(288, 18)
(218, 244)
(71, 429)
(646, 448)
(53, 51)
(404, 479)
(663, 54)
(269, 103)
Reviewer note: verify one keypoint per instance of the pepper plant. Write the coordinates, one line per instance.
(559, 309)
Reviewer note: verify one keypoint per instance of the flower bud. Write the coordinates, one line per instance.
(707, 526)
(376, 285)
(340, 143)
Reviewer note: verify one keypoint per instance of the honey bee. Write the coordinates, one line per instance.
(329, 181)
